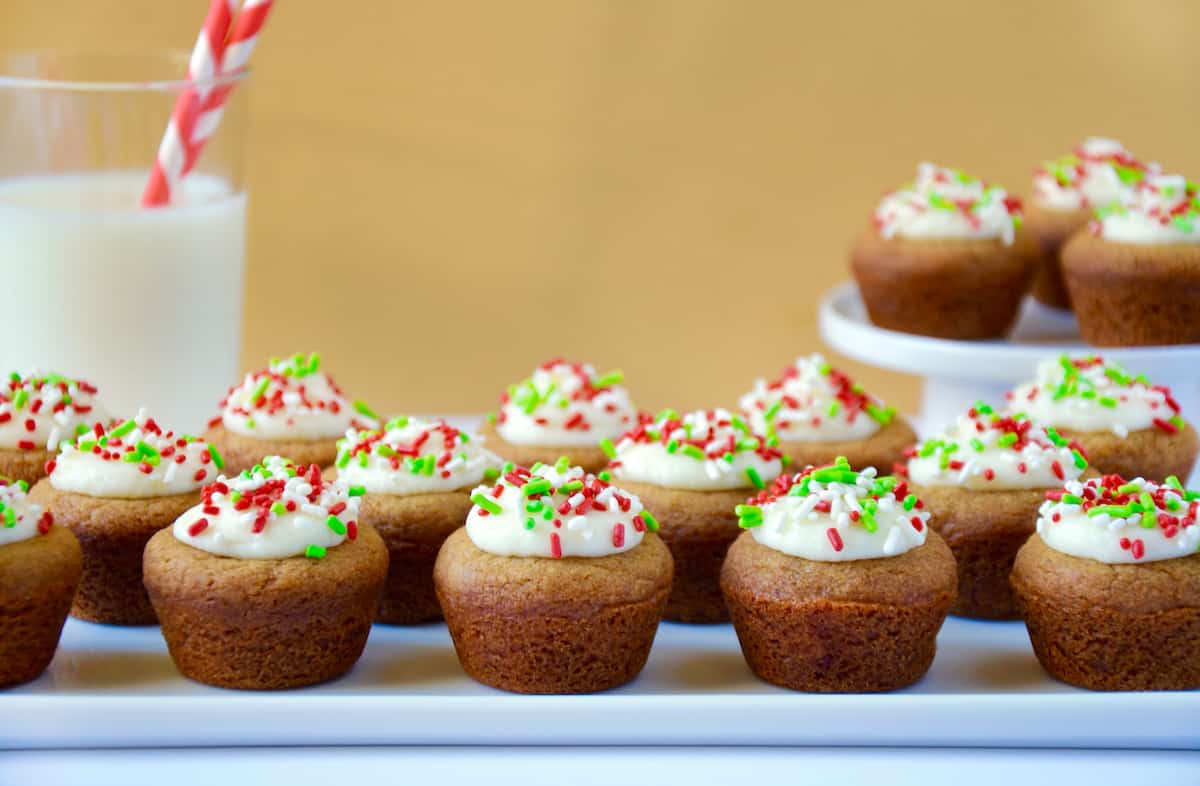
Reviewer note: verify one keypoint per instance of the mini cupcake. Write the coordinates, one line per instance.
(37, 413)
(818, 413)
(564, 408)
(1099, 173)
(1123, 424)
(39, 571)
(114, 488)
(417, 477)
(555, 585)
(983, 482)
(838, 586)
(693, 471)
(1110, 586)
(945, 257)
(269, 582)
(1134, 277)
(290, 408)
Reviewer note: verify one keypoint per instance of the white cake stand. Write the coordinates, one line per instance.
(959, 373)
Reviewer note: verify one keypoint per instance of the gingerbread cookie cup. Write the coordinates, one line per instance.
(37, 412)
(40, 566)
(590, 458)
(1147, 453)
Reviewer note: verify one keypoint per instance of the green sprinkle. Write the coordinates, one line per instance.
(1171, 481)
(491, 473)
(773, 410)
(882, 416)
(343, 458)
(547, 513)
(123, 429)
(1071, 499)
(1007, 440)
(929, 448)
(1117, 375)
(572, 486)
(487, 503)
(977, 444)
(361, 408)
(356, 491)
(609, 449)
(1120, 511)
(824, 369)
(910, 502)
(738, 424)
(609, 379)
(1056, 438)
(261, 389)
(509, 467)
(867, 519)
(694, 452)
(363, 459)
(1080, 461)
(335, 524)
(667, 414)
(604, 475)
(314, 551)
(249, 422)
(755, 478)
(835, 475)
(534, 506)
(672, 445)
(530, 523)
(562, 465)
(649, 520)
(21, 399)
(834, 407)
(81, 429)
(1107, 401)
(538, 486)
(399, 422)
(749, 516)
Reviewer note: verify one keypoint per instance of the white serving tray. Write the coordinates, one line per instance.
(117, 687)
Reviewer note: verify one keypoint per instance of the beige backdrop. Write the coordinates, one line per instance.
(445, 193)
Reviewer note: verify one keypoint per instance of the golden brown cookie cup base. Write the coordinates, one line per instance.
(949, 288)
(113, 533)
(838, 627)
(880, 450)
(1052, 229)
(590, 457)
(1111, 627)
(38, 578)
(413, 528)
(265, 624)
(537, 625)
(241, 452)
(1149, 453)
(1133, 294)
(26, 465)
(984, 530)
(697, 527)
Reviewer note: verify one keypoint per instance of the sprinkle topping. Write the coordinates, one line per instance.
(1100, 172)
(565, 403)
(413, 456)
(20, 519)
(38, 411)
(1164, 209)
(945, 203)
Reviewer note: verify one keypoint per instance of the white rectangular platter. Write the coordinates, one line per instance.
(117, 687)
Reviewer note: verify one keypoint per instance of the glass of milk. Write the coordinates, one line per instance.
(145, 303)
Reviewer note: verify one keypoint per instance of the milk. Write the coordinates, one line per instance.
(146, 304)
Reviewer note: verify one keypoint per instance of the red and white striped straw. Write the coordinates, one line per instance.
(218, 53)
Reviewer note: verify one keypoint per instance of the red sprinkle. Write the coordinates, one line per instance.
(618, 535)
(352, 530)
(835, 538)
(1166, 426)
(1138, 549)
(198, 527)
(1057, 469)
(555, 546)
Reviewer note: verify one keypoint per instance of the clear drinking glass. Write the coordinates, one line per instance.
(145, 303)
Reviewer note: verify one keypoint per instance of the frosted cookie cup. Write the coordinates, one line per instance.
(269, 582)
(555, 585)
(37, 413)
(417, 478)
(839, 585)
(40, 566)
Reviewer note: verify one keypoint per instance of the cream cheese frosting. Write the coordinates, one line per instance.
(556, 511)
(135, 459)
(1165, 209)
(946, 203)
(274, 510)
(565, 404)
(834, 514)
(413, 456)
(706, 450)
(1099, 173)
(291, 399)
(987, 451)
(813, 402)
(38, 411)
(1116, 521)
(20, 519)
(1092, 394)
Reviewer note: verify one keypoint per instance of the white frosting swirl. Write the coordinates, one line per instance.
(39, 411)
(834, 514)
(555, 511)
(412, 456)
(135, 459)
(1110, 520)
(706, 450)
(1090, 394)
(276, 510)
(945, 203)
(813, 402)
(985, 451)
(1166, 209)
(565, 404)
(20, 519)
(1100, 172)
(291, 399)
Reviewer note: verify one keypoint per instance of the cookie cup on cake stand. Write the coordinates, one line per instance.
(37, 413)
(563, 408)
(290, 408)
(114, 488)
(555, 585)
(817, 414)
(945, 257)
(417, 478)
(270, 582)
(1134, 274)
(838, 586)
(982, 482)
(1109, 588)
(40, 565)
(1099, 172)
(1124, 424)
(692, 471)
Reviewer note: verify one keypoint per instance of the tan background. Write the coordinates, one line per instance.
(446, 193)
